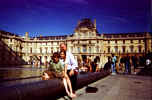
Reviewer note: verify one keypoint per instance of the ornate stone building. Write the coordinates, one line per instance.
(84, 42)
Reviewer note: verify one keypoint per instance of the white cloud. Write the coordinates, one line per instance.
(114, 19)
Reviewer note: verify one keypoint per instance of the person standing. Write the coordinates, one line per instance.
(71, 65)
(94, 65)
(148, 63)
(87, 65)
(134, 63)
(107, 66)
(113, 66)
(127, 65)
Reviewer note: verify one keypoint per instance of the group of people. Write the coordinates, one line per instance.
(63, 66)
(125, 64)
(87, 65)
(111, 65)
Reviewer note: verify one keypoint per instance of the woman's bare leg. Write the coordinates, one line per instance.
(66, 87)
(70, 87)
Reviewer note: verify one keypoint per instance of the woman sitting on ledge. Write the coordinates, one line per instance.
(59, 70)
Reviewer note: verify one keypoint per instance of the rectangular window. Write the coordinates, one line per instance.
(89, 49)
(84, 48)
(10, 40)
(78, 49)
(108, 36)
(71, 49)
(51, 49)
(116, 41)
(124, 35)
(11, 46)
(116, 49)
(40, 50)
(30, 50)
(131, 48)
(46, 49)
(116, 36)
(123, 49)
(108, 49)
(97, 49)
(139, 47)
(139, 35)
(131, 35)
(123, 41)
(45, 58)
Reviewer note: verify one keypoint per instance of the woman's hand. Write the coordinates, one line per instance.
(65, 75)
(45, 76)
(71, 72)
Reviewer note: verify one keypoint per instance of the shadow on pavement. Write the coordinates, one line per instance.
(145, 72)
(91, 89)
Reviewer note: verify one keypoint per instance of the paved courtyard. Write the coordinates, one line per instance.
(117, 87)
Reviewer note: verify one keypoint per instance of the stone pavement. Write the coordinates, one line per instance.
(117, 87)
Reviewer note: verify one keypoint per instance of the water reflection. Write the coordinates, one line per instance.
(15, 72)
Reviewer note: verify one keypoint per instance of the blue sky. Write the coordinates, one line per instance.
(60, 17)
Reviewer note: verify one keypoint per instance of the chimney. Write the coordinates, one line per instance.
(26, 35)
(95, 23)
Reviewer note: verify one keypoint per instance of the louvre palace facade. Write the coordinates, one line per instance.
(84, 42)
